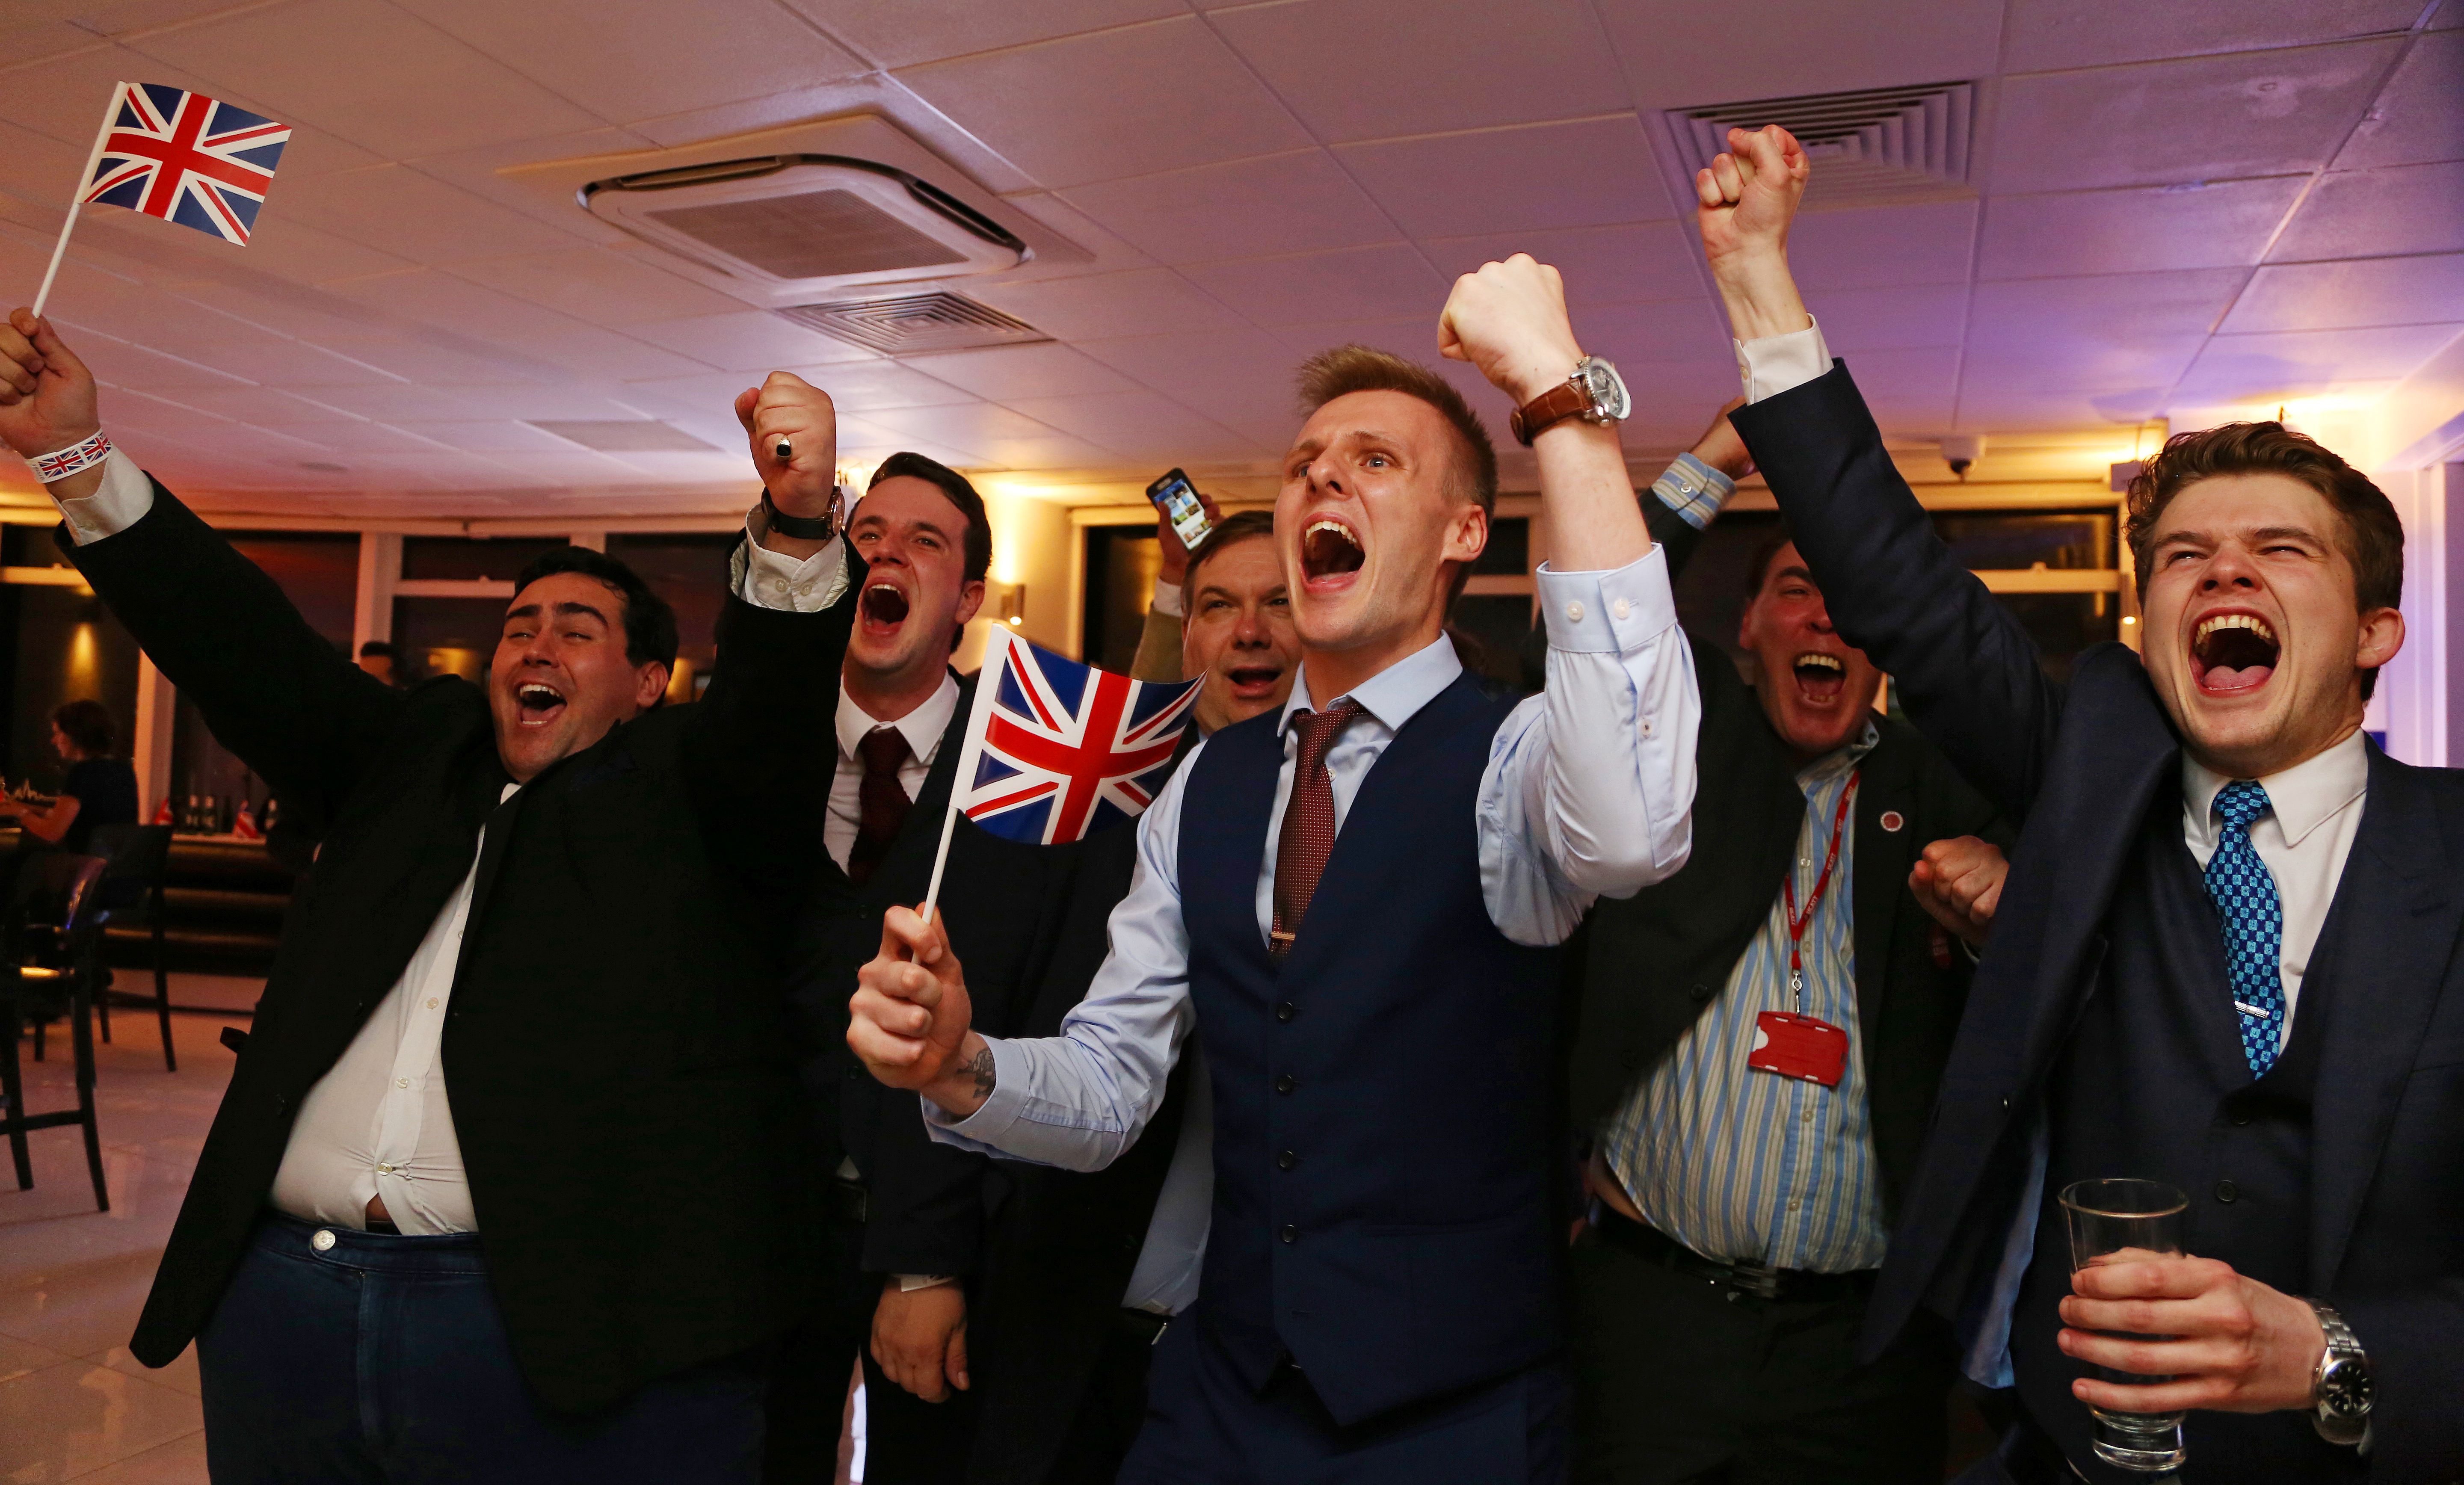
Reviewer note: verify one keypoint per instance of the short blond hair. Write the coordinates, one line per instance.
(1347, 369)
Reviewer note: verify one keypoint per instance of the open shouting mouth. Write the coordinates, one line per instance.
(1819, 677)
(538, 703)
(884, 608)
(1254, 681)
(2233, 653)
(1331, 553)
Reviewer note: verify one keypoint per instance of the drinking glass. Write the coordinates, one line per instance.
(2118, 1221)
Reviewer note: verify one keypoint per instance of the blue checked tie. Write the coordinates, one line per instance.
(2239, 884)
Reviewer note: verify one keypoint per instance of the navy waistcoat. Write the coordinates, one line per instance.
(1384, 1124)
(2154, 1084)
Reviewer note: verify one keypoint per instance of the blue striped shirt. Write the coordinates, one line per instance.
(1749, 1166)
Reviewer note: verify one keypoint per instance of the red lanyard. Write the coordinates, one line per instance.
(1796, 921)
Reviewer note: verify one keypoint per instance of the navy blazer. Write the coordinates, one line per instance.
(2082, 766)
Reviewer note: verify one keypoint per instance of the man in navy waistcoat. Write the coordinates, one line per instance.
(1355, 900)
(2226, 959)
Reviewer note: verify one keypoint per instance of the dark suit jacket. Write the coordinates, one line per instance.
(625, 1108)
(2082, 767)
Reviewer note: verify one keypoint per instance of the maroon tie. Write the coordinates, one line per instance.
(882, 800)
(1308, 836)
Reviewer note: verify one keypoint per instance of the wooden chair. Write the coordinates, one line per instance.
(132, 894)
(55, 897)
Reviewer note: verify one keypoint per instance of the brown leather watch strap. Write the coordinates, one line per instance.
(1554, 406)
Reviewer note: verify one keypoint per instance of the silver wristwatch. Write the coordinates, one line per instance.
(2340, 1389)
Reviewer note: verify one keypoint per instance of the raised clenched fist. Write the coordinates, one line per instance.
(47, 397)
(1510, 321)
(1748, 195)
(786, 407)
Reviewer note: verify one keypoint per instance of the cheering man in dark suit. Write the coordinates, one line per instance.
(552, 897)
(2226, 959)
(1741, 1213)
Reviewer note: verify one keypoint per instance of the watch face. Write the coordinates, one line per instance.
(2344, 1391)
(1606, 388)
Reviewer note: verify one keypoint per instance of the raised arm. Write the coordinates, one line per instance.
(1969, 675)
(275, 692)
(1687, 497)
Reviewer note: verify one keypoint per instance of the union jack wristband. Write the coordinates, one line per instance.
(53, 468)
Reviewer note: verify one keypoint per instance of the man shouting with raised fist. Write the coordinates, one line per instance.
(1354, 899)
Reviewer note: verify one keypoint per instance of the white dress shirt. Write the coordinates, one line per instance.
(1588, 791)
(922, 728)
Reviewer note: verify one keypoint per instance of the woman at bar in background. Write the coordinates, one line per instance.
(100, 789)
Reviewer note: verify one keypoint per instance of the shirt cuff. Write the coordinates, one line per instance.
(773, 579)
(1167, 598)
(909, 1283)
(122, 500)
(1611, 613)
(1000, 1109)
(1776, 363)
(1693, 490)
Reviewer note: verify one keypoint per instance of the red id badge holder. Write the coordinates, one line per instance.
(1803, 1047)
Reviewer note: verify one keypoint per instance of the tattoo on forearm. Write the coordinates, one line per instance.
(982, 1066)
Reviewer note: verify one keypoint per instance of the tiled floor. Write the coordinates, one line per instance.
(74, 1404)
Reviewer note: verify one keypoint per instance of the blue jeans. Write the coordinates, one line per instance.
(383, 1360)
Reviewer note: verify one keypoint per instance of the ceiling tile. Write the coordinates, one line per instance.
(1110, 250)
(1243, 378)
(747, 340)
(590, 351)
(1273, 204)
(2222, 223)
(1134, 423)
(386, 403)
(2111, 307)
(2144, 365)
(1483, 65)
(429, 296)
(1681, 55)
(1585, 173)
(39, 168)
(632, 68)
(2351, 294)
(1143, 301)
(2416, 119)
(2163, 123)
(264, 406)
(2367, 213)
(395, 210)
(975, 426)
(2042, 35)
(2002, 413)
(1008, 371)
(600, 285)
(1689, 331)
(1600, 265)
(494, 436)
(2306, 362)
(867, 386)
(1132, 102)
(1362, 282)
(900, 32)
(1412, 337)
(117, 363)
(1878, 246)
(1868, 320)
(1059, 451)
(365, 72)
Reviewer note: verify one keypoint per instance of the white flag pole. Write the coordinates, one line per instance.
(76, 197)
(987, 682)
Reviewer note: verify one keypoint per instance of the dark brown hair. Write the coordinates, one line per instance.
(1237, 527)
(1347, 369)
(976, 542)
(2373, 533)
(1758, 567)
(89, 726)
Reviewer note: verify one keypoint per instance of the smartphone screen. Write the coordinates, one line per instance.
(1178, 500)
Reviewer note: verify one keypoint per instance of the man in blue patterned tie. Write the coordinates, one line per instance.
(2227, 954)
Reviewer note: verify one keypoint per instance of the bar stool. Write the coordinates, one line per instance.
(55, 898)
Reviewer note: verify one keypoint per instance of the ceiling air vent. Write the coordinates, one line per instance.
(911, 324)
(1883, 146)
(789, 228)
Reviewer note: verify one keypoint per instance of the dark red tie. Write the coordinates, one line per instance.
(1308, 836)
(882, 801)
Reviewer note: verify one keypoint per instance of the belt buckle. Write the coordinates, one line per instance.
(1760, 1280)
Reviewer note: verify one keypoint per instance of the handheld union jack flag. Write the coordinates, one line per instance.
(1057, 751)
(187, 158)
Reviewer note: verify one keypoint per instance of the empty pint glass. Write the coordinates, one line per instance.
(2115, 1222)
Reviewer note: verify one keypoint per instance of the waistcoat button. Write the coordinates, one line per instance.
(2226, 1191)
(1286, 1160)
(1291, 1234)
(1286, 1084)
(1287, 1011)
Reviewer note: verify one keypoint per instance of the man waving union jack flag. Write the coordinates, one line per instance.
(186, 157)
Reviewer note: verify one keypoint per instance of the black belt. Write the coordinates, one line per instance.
(849, 1201)
(1145, 1325)
(1653, 1245)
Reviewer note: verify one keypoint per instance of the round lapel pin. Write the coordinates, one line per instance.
(1892, 820)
